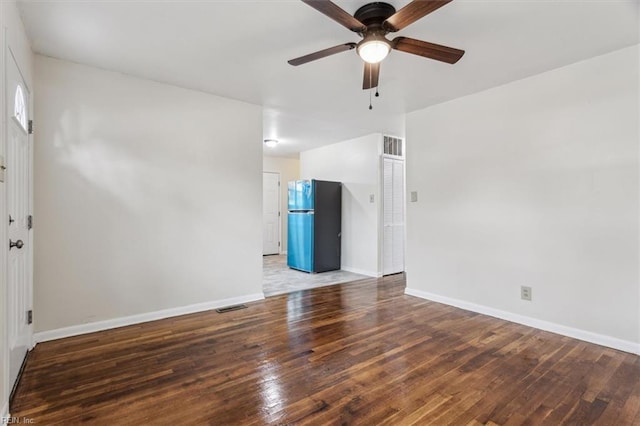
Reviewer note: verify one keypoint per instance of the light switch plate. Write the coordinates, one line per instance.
(414, 196)
(372, 198)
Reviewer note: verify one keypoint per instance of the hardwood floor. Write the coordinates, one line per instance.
(362, 353)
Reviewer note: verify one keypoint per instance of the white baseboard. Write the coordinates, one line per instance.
(76, 330)
(576, 333)
(361, 271)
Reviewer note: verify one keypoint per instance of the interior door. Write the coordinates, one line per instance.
(393, 216)
(270, 213)
(19, 294)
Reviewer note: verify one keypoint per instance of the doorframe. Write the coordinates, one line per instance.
(381, 159)
(31, 189)
(279, 209)
(4, 329)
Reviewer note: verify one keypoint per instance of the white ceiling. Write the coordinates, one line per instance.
(239, 49)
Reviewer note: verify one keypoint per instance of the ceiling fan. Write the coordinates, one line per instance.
(373, 22)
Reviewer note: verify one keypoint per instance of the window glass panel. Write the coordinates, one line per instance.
(20, 108)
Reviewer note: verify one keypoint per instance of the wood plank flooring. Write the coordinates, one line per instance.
(362, 353)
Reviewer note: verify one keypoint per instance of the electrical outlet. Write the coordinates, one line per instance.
(525, 293)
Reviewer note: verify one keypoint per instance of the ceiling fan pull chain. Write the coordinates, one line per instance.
(370, 88)
(377, 94)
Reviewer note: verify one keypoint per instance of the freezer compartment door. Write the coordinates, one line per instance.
(300, 195)
(300, 241)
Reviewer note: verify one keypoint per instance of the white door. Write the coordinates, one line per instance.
(270, 213)
(19, 295)
(393, 216)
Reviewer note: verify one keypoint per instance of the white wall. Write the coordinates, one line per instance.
(533, 183)
(147, 196)
(13, 35)
(356, 164)
(289, 169)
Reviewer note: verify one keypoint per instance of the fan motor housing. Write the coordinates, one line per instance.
(374, 14)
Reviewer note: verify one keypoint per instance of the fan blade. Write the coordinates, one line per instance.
(411, 13)
(336, 13)
(322, 54)
(428, 50)
(371, 74)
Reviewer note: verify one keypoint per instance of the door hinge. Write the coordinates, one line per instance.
(30, 316)
(278, 214)
(29, 222)
(30, 127)
(278, 243)
(11, 220)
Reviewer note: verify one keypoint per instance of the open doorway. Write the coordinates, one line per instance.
(278, 278)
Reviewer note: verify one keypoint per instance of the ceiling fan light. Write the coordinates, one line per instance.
(271, 143)
(373, 51)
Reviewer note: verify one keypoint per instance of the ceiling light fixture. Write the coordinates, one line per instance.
(373, 49)
(271, 143)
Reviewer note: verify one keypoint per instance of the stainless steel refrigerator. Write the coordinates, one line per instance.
(314, 225)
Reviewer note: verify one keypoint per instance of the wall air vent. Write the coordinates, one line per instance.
(393, 146)
(230, 308)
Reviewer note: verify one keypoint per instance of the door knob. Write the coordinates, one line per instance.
(18, 244)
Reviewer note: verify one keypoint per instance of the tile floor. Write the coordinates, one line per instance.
(278, 278)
